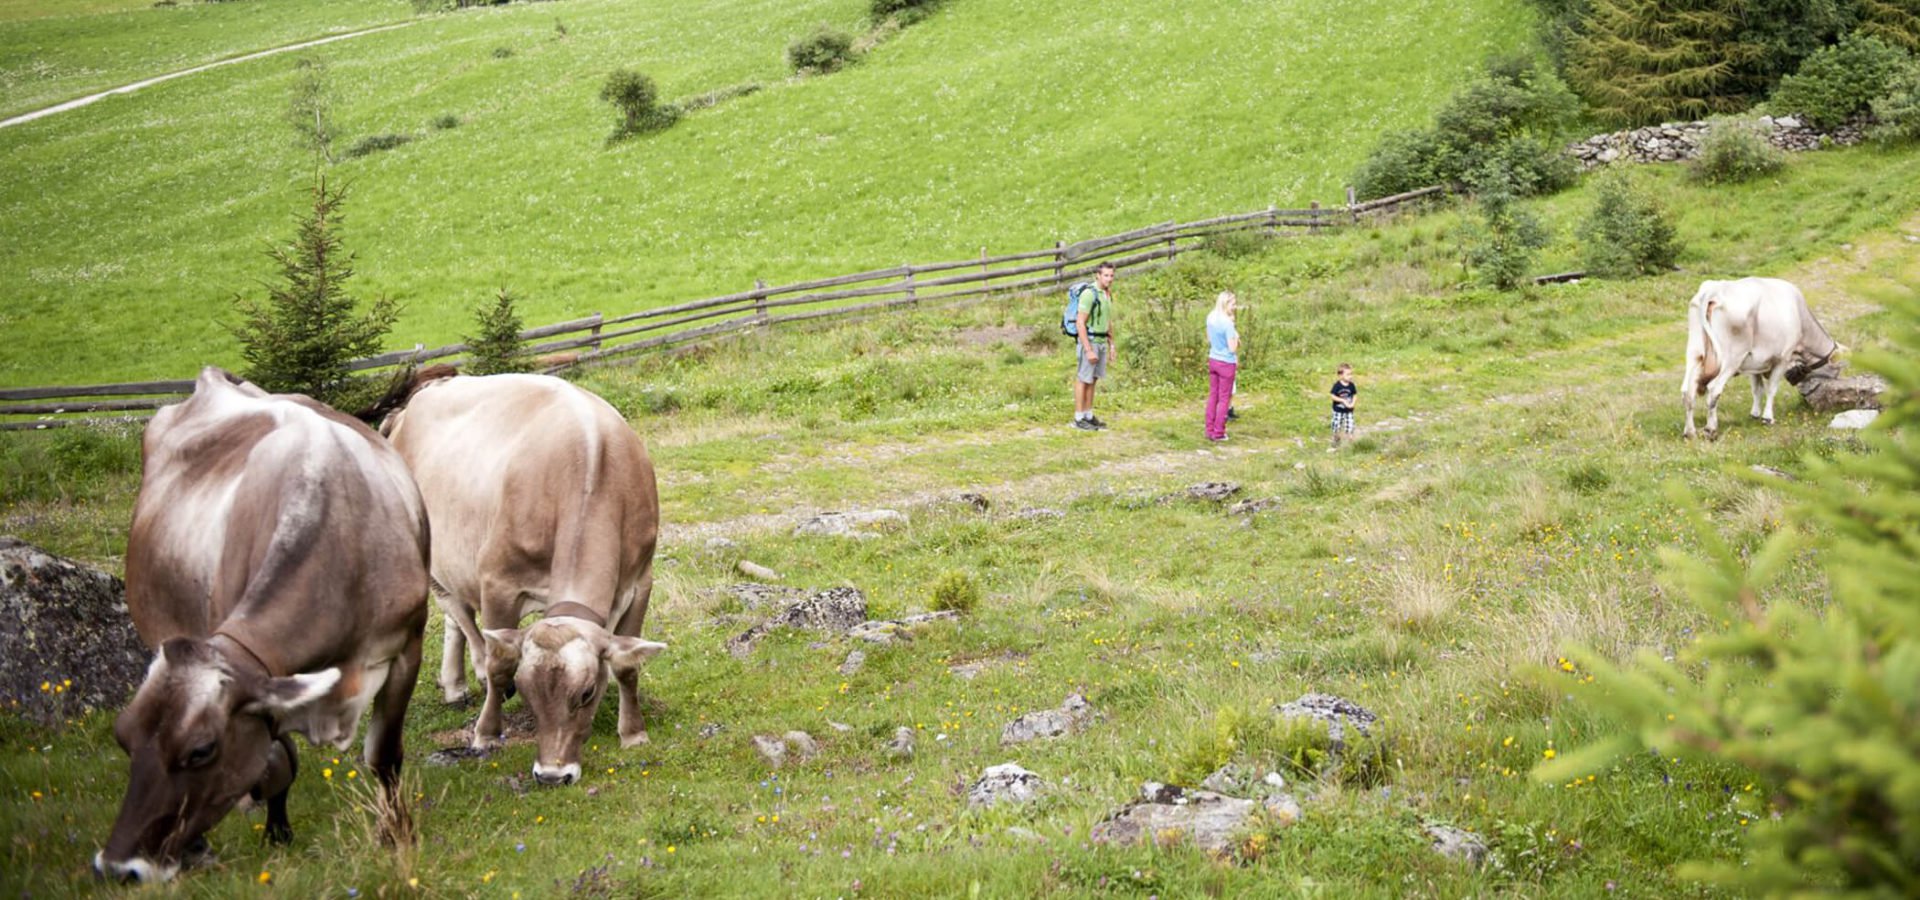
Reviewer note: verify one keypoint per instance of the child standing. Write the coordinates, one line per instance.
(1344, 393)
(1223, 363)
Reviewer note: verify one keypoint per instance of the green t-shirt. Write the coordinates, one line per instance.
(1096, 303)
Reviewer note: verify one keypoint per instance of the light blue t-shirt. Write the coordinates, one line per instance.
(1220, 331)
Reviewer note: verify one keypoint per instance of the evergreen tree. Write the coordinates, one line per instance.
(1501, 245)
(1637, 61)
(302, 336)
(1895, 21)
(497, 347)
(1817, 695)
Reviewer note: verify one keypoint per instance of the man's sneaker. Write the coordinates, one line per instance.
(1097, 422)
(1085, 425)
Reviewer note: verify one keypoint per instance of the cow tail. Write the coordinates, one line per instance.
(1702, 345)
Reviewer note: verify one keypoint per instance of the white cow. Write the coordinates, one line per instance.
(1755, 326)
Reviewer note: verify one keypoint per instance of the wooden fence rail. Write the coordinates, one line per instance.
(596, 339)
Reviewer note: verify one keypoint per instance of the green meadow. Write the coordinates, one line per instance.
(1507, 500)
(128, 226)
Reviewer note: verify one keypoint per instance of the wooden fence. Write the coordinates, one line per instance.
(598, 339)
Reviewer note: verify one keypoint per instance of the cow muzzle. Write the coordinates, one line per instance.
(556, 776)
(135, 869)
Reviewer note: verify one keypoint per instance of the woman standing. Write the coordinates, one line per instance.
(1223, 362)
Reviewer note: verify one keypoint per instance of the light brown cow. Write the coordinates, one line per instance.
(541, 498)
(278, 562)
(1754, 326)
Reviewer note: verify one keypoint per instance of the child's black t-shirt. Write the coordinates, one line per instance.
(1344, 391)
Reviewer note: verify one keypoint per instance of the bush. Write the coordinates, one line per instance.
(444, 122)
(884, 8)
(302, 336)
(1628, 232)
(638, 100)
(1501, 245)
(1899, 111)
(1841, 81)
(1402, 161)
(375, 143)
(957, 592)
(1735, 150)
(503, 52)
(496, 347)
(826, 50)
(1814, 694)
(1512, 117)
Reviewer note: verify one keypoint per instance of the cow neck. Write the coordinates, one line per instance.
(578, 611)
(240, 652)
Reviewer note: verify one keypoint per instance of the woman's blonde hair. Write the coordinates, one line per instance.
(1220, 303)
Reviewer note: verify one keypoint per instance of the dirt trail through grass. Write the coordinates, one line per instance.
(1135, 450)
(130, 88)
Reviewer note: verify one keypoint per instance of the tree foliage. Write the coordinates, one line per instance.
(1895, 21)
(1628, 232)
(496, 347)
(1637, 61)
(310, 107)
(301, 337)
(1817, 695)
(638, 99)
(1501, 245)
(1515, 113)
(1841, 81)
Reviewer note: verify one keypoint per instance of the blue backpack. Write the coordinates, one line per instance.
(1070, 318)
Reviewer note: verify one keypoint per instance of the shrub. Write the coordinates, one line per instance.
(496, 347)
(375, 143)
(1237, 244)
(955, 591)
(1501, 245)
(444, 122)
(1511, 116)
(1898, 112)
(310, 107)
(503, 52)
(1735, 150)
(301, 337)
(1628, 232)
(1402, 161)
(827, 49)
(904, 8)
(1841, 81)
(638, 100)
(1815, 694)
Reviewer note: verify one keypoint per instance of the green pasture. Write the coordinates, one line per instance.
(1506, 499)
(127, 227)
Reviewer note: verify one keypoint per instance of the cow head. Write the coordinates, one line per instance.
(560, 666)
(200, 735)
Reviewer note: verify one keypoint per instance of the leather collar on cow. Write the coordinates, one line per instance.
(244, 651)
(578, 611)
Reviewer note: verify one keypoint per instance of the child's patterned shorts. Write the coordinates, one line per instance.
(1342, 422)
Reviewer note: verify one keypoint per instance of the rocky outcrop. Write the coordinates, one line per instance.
(1166, 815)
(834, 610)
(1048, 723)
(67, 643)
(1679, 141)
(1005, 783)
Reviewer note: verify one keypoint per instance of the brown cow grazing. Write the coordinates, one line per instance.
(278, 562)
(541, 498)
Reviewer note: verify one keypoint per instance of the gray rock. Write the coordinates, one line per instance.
(888, 631)
(753, 569)
(1787, 122)
(901, 747)
(850, 524)
(753, 595)
(976, 502)
(1772, 472)
(721, 545)
(1235, 780)
(453, 756)
(801, 744)
(1336, 713)
(1829, 389)
(1005, 783)
(855, 659)
(834, 610)
(1854, 419)
(772, 750)
(1050, 723)
(1250, 507)
(1215, 491)
(64, 625)
(1457, 843)
(1039, 513)
(711, 730)
(1167, 815)
(1026, 835)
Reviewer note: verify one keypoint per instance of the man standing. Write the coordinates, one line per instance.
(1095, 345)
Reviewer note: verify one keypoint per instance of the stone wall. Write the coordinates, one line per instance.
(1677, 141)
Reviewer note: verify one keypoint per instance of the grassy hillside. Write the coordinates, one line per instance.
(126, 227)
(1505, 500)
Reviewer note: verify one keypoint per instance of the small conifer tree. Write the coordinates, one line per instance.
(496, 347)
(302, 336)
(310, 107)
(1628, 232)
(1501, 245)
(1895, 21)
(1816, 695)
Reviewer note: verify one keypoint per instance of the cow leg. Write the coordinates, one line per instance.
(633, 729)
(1759, 382)
(1714, 389)
(461, 632)
(383, 745)
(1773, 387)
(1689, 389)
(283, 765)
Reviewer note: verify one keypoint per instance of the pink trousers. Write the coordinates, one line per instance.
(1219, 396)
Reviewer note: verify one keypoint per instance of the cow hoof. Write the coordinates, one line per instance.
(456, 699)
(488, 743)
(628, 742)
(279, 833)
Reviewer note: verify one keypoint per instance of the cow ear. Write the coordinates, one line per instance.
(629, 653)
(503, 650)
(284, 698)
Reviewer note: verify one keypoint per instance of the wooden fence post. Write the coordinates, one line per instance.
(1353, 215)
(1313, 216)
(1273, 219)
(909, 268)
(597, 319)
(1059, 261)
(760, 299)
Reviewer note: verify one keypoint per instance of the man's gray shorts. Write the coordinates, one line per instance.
(1091, 372)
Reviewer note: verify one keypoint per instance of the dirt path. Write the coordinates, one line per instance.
(1820, 278)
(130, 88)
